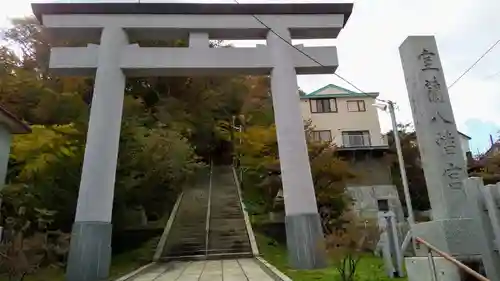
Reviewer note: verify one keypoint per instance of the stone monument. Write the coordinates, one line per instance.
(453, 229)
(119, 29)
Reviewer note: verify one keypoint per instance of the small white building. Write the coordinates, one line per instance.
(464, 143)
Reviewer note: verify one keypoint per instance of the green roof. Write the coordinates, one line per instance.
(347, 93)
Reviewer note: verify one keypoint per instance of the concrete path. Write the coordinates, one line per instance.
(212, 270)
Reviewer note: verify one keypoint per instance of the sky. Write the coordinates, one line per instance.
(369, 57)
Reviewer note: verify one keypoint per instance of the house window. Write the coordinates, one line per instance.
(323, 105)
(356, 105)
(356, 139)
(322, 135)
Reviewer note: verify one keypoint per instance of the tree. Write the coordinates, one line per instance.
(487, 166)
(171, 128)
(413, 166)
(29, 36)
(259, 150)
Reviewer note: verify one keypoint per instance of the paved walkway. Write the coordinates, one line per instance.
(216, 270)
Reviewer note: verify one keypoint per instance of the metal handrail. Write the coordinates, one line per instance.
(209, 203)
(450, 259)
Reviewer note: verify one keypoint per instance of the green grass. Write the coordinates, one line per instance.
(370, 268)
(120, 265)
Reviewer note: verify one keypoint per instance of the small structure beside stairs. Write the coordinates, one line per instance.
(9, 125)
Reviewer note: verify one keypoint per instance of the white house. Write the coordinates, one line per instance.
(351, 122)
(349, 119)
(346, 117)
(464, 143)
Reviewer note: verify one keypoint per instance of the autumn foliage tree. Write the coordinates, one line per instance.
(167, 129)
(259, 158)
(487, 166)
(172, 127)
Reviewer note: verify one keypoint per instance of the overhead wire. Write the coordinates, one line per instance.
(307, 55)
(349, 82)
(475, 63)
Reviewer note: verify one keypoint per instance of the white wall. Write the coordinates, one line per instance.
(464, 143)
(5, 139)
(342, 120)
(366, 200)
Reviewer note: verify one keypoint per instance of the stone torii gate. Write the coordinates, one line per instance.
(117, 26)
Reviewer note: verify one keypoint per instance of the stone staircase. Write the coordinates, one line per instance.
(187, 236)
(227, 233)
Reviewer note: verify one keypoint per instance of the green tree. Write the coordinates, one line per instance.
(413, 166)
(259, 150)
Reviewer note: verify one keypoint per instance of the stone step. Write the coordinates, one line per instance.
(191, 234)
(226, 240)
(199, 226)
(213, 256)
(227, 234)
(190, 242)
(226, 231)
(187, 237)
(228, 245)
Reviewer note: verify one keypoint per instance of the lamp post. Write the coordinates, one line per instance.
(389, 105)
(239, 128)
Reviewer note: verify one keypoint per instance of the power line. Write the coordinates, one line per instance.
(306, 54)
(475, 63)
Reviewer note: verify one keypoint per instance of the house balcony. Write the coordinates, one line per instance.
(362, 142)
(356, 140)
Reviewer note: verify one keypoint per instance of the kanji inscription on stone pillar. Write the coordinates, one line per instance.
(435, 126)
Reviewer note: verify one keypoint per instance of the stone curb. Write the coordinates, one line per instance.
(251, 235)
(164, 236)
(272, 271)
(135, 273)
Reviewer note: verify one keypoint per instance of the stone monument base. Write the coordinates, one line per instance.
(419, 269)
(456, 237)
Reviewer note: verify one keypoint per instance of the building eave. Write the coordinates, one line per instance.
(347, 94)
(355, 95)
(464, 135)
(40, 9)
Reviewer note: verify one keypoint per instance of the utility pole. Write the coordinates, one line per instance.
(402, 169)
(390, 106)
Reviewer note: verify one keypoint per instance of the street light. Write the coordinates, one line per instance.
(384, 106)
(389, 105)
(239, 128)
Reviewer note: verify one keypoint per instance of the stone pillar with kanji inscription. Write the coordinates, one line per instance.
(453, 229)
(437, 134)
